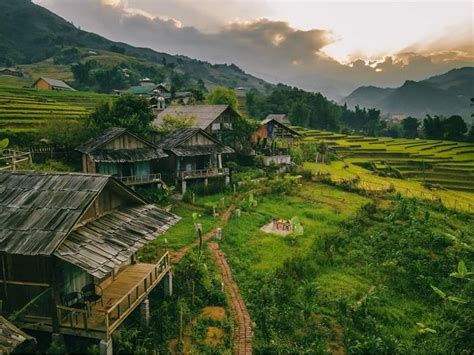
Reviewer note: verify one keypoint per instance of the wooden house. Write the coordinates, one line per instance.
(214, 119)
(51, 84)
(60, 234)
(272, 140)
(11, 72)
(282, 118)
(120, 153)
(193, 154)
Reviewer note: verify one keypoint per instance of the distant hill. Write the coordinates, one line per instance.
(444, 94)
(30, 34)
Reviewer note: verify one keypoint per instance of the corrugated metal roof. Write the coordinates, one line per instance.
(11, 337)
(175, 143)
(56, 83)
(282, 118)
(203, 115)
(127, 155)
(37, 210)
(105, 243)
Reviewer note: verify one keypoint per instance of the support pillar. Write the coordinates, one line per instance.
(219, 161)
(106, 347)
(145, 312)
(227, 180)
(183, 186)
(168, 284)
(206, 182)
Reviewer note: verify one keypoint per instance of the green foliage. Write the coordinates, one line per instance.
(160, 195)
(223, 96)
(128, 111)
(4, 144)
(64, 133)
(170, 123)
(453, 128)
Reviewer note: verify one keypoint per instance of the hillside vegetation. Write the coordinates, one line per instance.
(32, 34)
(407, 163)
(24, 111)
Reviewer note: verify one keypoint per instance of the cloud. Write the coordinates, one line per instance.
(273, 50)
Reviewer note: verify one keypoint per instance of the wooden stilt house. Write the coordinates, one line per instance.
(273, 140)
(128, 157)
(194, 154)
(68, 243)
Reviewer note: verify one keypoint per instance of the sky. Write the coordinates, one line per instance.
(332, 47)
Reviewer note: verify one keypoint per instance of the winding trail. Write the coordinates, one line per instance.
(243, 330)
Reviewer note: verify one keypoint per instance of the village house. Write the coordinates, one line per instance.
(68, 244)
(124, 155)
(282, 118)
(159, 96)
(214, 119)
(11, 72)
(51, 84)
(194, 155)
(273, 140)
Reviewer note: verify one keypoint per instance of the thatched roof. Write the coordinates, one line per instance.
(177, 143)
(107, 242)
(203, 115)
(13, 338)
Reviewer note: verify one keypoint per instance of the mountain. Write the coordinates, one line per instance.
(30, 33)
(446, 94)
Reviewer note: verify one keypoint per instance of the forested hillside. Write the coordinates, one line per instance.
(30, 34)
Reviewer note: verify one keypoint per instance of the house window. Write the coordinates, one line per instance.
(216, 126)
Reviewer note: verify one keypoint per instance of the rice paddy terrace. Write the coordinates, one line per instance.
(435, 163)
(25, 110)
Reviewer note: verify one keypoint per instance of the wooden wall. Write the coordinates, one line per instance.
(42, 85)
(199, 139)
(125, 141)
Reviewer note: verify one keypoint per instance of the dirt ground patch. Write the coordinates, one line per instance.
(212, 312)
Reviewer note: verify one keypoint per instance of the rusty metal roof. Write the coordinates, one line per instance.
(105, 243)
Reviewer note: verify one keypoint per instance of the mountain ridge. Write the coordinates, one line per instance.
(444, 94)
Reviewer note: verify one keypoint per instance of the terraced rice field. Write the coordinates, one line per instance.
(444, 164)
(24, 110)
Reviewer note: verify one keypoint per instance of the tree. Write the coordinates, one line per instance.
(170, 123)
(410, 127)
(128, 111)
(223, 96)
(66, 133)
(454, 128)
(299, 114)
(433, 127)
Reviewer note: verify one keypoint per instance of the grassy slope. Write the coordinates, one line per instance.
(290, 318)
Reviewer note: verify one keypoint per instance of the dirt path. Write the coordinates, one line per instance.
(243, 330)
(176, 256)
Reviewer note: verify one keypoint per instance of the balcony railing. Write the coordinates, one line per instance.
(203, 173)
(107, 318)
(140, 180)
(276, 160)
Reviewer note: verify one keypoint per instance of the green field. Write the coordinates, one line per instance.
(25, 110)
(437, 164)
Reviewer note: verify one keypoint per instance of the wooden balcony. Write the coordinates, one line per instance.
(140, 180)
(120, 298)
(203, 173)
(276, 160)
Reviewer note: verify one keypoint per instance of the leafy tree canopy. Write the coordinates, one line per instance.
(128, 111)
(223, 96)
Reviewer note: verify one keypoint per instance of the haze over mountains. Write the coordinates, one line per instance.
(446, 94)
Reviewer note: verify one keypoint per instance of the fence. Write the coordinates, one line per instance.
(13, 158)
(371, 186)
